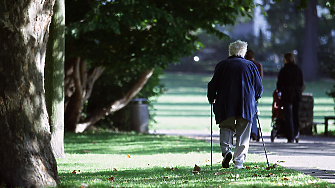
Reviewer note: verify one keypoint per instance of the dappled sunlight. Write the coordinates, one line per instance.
(324, 101)
(110, 159)
(183, 123)
(182, 99)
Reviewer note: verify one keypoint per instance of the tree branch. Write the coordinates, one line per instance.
(77, 77)
(116, 105)
(93, 75)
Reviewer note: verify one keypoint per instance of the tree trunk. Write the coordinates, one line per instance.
(54, 78)
(309, 64)
(78, 87)
(116, 105)
(26, 157)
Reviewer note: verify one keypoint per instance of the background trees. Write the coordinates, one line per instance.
(128, 39)
(304, 27)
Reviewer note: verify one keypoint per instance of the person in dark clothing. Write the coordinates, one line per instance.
(251, 57)
(290, 84)
(235, 87)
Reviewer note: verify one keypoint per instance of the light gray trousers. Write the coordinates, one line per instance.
(243, 129)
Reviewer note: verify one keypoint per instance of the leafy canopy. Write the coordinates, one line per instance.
(141, 34)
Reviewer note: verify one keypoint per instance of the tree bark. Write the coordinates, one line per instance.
(116, 105)
(54, 78)
(309, 64)
(78, 87)
(26, 157)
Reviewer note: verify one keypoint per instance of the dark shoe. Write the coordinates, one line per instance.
(226, 160)
(290, 141)
(253, 136)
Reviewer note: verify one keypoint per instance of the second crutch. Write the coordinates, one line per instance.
(260, 130)
(211, 136)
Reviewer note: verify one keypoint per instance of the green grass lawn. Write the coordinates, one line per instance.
(185, 107)
(109, 159)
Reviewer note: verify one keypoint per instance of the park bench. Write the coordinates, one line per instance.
(325, 123)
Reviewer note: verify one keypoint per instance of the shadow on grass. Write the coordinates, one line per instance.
(132, 143)
(254, 176)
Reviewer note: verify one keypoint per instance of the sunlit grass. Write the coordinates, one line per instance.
(109, 159)
(185, 104)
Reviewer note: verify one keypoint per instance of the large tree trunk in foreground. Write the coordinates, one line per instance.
(26, 157)
(309, 64)
(54, 78)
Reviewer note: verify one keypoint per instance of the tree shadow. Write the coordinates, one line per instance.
(133, 143)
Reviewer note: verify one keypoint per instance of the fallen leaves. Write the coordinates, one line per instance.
(271, 167)
(170, 168)
(110, 178)
(270, 175)
(128, 156)
(220, 173)
(76, 172)
(256, 175)
(196, 169)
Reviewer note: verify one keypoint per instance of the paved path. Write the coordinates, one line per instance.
(313, 155)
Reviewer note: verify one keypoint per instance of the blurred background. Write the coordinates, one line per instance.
(273, 31)
(118, 42)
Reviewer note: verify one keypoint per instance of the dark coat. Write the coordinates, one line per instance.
(290, 83)
(235, 87)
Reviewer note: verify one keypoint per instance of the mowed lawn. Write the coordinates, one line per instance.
(185, 107)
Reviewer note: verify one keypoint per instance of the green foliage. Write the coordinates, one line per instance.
(302, 4)
(130, 36)
(144, 34)
(215, 50)
(287, 22)
(286, 27)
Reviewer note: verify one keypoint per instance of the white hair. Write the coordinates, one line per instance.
(238, 48)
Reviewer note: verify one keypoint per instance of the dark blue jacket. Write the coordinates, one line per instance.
(236, 86)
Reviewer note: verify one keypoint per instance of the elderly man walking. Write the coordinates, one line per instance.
(235, 87)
